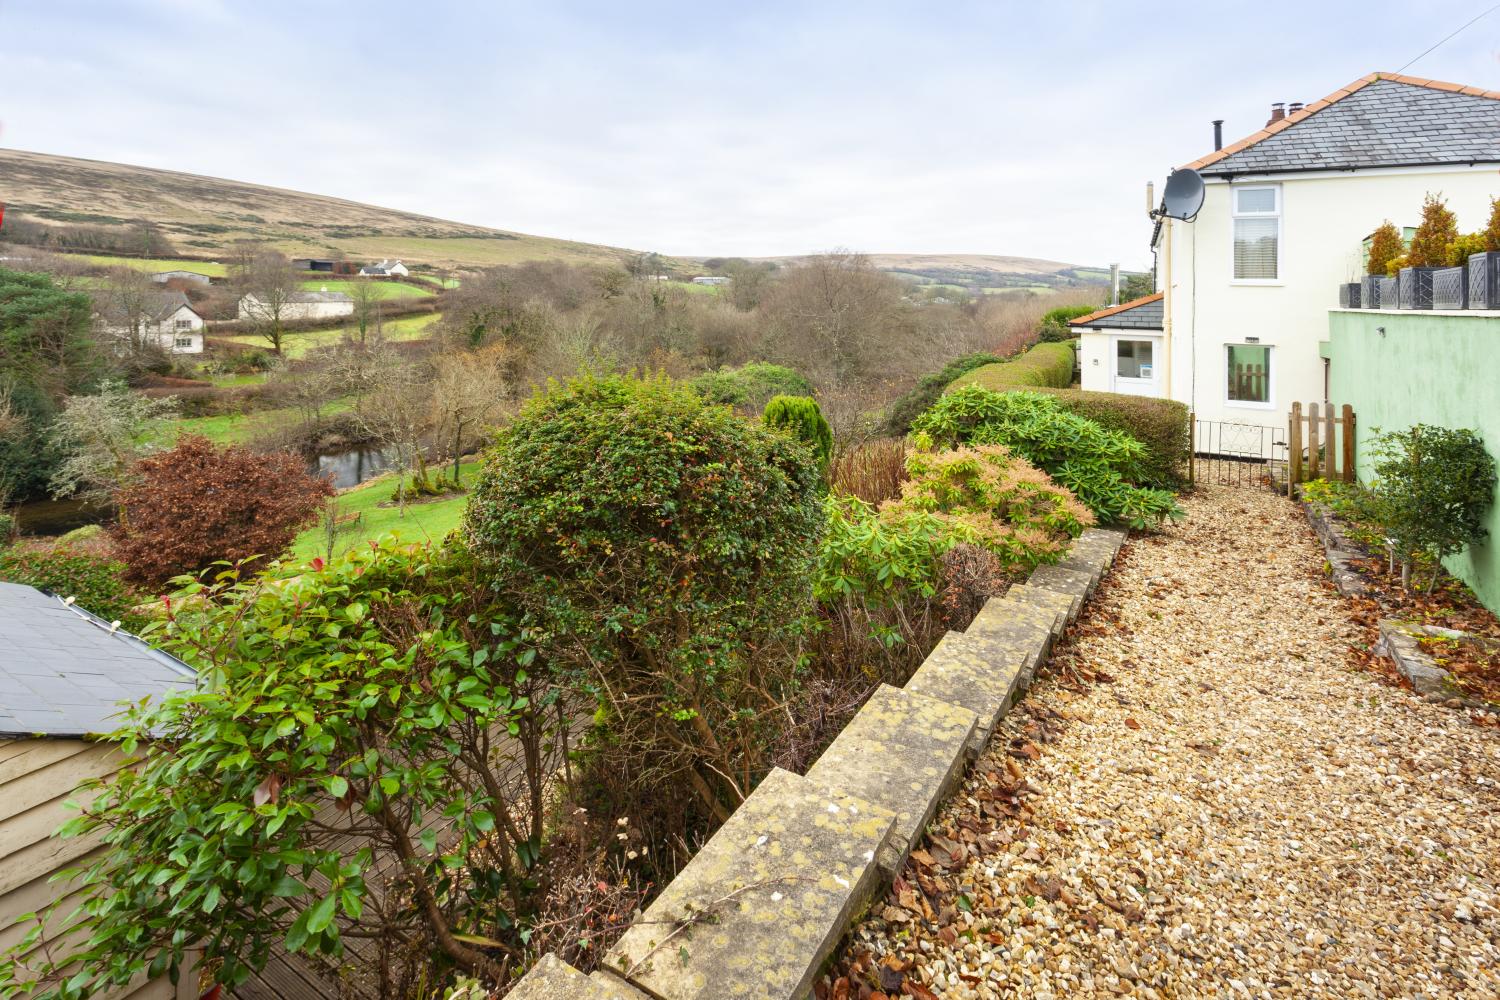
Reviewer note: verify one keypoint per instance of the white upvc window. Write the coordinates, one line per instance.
(1257, 233)
(1250, 375)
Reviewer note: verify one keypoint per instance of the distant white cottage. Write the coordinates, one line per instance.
(302, 305)
(710, 279)
(166, 320)
(385, 269)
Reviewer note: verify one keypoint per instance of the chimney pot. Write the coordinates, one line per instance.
(1294, 107)
(1218, 134)
(1278, 112)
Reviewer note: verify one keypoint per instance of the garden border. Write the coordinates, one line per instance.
(762, 905)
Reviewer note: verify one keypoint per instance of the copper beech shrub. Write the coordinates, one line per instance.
(200, 503)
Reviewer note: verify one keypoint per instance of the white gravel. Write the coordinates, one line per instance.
(1229, 811)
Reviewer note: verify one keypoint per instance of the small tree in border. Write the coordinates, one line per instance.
(1491, 231)
(198, 504)
(800, 417)
(1433, 491)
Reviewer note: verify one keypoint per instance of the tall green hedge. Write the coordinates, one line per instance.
(1160, 424)
(1045, 365)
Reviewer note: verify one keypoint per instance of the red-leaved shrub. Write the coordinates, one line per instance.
(199, 503)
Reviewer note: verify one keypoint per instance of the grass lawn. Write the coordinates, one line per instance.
(294, 345)
(213, 269)
(383, 289)
(423, 521)
(237, 428)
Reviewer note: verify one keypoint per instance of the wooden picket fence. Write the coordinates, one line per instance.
(1328, 441)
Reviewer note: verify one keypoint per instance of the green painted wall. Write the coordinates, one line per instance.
(1428, 368)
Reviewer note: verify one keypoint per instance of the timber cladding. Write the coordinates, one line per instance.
(37, 778)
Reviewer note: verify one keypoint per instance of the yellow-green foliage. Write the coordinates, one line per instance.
(1461, 249)
(1438, 228)
(1385, 245)
(1045, 365)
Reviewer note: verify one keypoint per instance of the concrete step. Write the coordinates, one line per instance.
(1067, 605)
(977, 676)
(1114, 537)
(1064, 581)
(1024, 628)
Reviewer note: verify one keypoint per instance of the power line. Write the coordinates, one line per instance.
(1450, 37)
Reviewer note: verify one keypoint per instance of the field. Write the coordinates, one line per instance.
(212, 268)
(237, 428)
(423, 521)
(383, 289)
(295, 345)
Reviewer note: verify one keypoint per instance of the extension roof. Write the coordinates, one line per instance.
(1381, 120)
(1139, 314)
(64, 672)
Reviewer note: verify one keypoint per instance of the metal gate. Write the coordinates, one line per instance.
(1229, 453)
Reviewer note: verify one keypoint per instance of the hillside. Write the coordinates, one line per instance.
(978, 273)
(204, 216)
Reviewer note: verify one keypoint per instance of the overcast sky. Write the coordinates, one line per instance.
(708, 128)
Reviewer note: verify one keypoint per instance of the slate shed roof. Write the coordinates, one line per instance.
(1381, 120)
(63, 674)
(1138, 314)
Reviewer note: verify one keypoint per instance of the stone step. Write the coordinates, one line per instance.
(903, 751)
(971, 674)
(1065, 605)
(1025, 628)
(764, 902)
(1083, 562)
(1113, 536)
(1064, 581)
(553, 979)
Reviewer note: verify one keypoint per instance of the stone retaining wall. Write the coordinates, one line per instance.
(760, 908)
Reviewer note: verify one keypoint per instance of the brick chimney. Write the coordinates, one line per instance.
(1278, 112)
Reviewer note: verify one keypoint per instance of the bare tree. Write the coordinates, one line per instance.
(268, 286)
(469, 390)
(367, 312)
(126, 300)
(396, 413)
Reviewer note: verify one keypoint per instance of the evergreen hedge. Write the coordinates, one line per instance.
(1044, 366)
(1160, 424)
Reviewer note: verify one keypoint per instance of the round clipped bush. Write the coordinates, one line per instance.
(659, 547)
(800, 417)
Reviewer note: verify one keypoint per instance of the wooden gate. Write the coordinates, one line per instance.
(1320, 444)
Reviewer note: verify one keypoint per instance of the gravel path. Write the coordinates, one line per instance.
(1201, 799)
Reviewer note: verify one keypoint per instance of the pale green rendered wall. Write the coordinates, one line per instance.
(1429, 368)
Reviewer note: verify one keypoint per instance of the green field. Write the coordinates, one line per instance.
(237, 428)
(213, 269)
(423, 521)
(295, 345)
(383, 289)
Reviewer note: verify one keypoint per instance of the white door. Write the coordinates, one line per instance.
(1136, 365)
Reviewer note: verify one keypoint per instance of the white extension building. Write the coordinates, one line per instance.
(1246, 288)
(385, 268)
(166, 320)
(302, 305)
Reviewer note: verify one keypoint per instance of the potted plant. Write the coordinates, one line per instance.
(1484, 265)
(1385, 246)
(1427, 253)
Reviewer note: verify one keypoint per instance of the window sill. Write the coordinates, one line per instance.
(1258, 282)
(1240, 404)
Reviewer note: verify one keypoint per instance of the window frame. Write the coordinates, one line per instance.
(1271, 378)
(1235, 215)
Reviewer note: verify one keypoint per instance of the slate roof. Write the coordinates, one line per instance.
(1138, 314)
(157, 307)
(321, 297)
(1382, 120)
(63, 674)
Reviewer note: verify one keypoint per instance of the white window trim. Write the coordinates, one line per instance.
(1235, 213)
(1114, 359)
(1270, 403)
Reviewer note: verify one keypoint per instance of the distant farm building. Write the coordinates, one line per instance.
(385, 269)
(313, 264)
(166, 320)
(162, 277)
(302, 305)
(710, 279)
(64, 674)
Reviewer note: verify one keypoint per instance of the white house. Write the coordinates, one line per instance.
(1246, 287)
(385, 268)
(165, 319)
(710, 279)
(302, 305)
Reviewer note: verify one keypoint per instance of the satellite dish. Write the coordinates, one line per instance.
(1183, 195)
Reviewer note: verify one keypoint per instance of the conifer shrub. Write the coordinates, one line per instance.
(1101, 467)
(1437, 230)
(800, 417)
(1491, 230)
(661, 549)
(1385, 246)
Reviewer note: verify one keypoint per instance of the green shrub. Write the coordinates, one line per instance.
(1048, 365)
(1159, 424)
(1433, 487)
(1466, 246)
(800, 417)
(1054, 324)
(97, 583)
(751, 386)
(1099, 466)
(907, 407)
(662, 547)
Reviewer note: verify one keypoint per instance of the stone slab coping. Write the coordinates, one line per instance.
(1064, 581)
(1083, 563)
(553, 979)
(1398, 641)
(1021, 628)
(903, 751)
(764, 902)
(1065, 604)
(1113, 536)
(1005, 612)
(967, 674)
